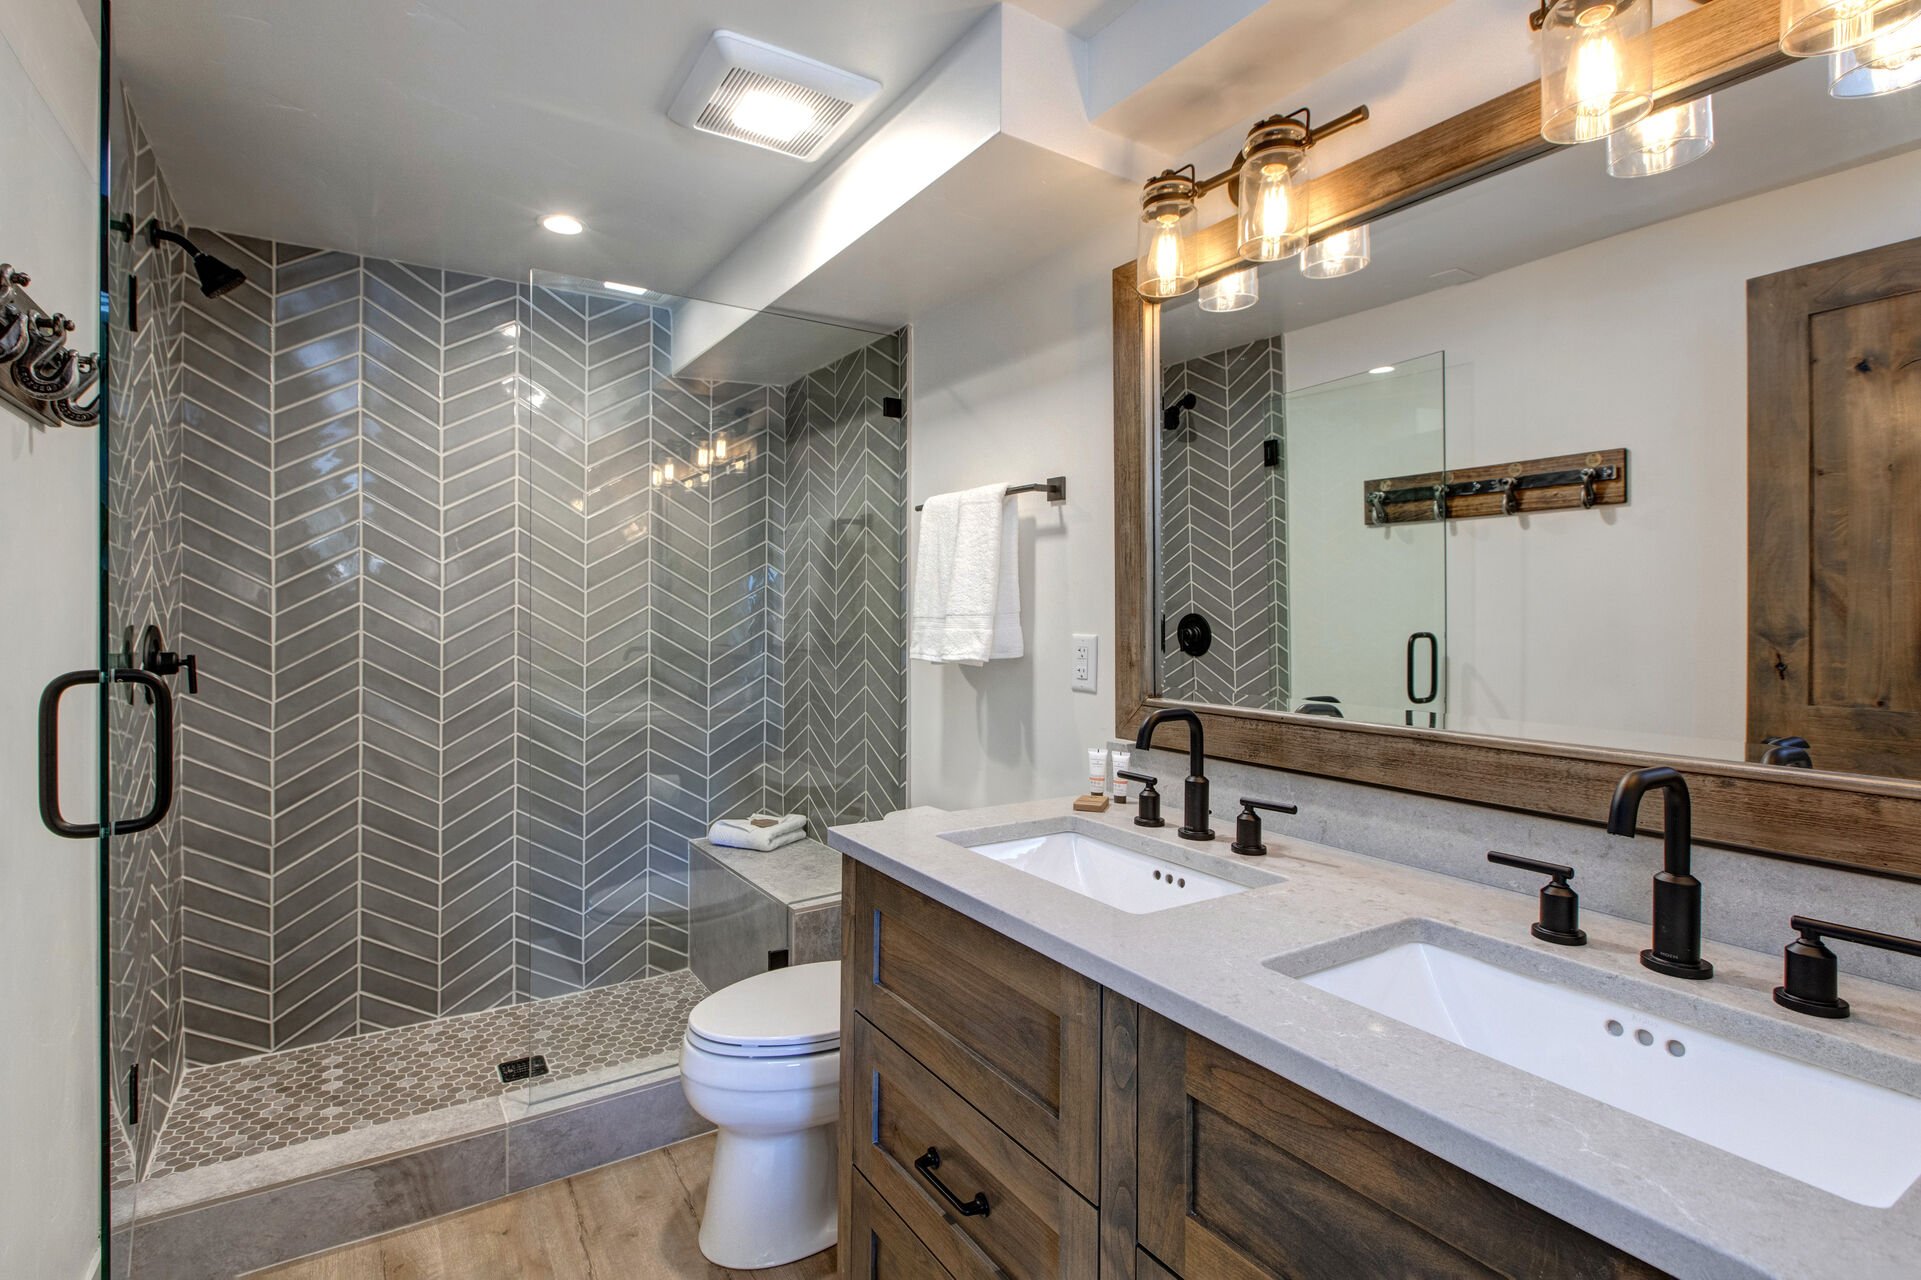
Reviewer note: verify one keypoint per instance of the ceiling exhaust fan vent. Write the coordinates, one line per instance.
(752, 92)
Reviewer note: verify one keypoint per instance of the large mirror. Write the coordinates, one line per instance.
(1629, 464)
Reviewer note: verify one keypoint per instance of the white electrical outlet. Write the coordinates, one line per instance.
(1087, 663)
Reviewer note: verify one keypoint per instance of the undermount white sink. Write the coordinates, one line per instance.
(1121, 878)
(1846, 1136)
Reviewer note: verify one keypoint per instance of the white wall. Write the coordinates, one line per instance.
(1628, 626)
(49, 583)
(1016, 383)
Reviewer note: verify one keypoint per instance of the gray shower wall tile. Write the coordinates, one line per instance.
(497, 675)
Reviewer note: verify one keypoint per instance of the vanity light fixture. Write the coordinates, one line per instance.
(1341, 254)
(1597, 66)
(1810, 28)
(1886, 64)
(1164, 267)
(1663, 141)
(1231, 291)
(1268, 185)
(563, 224)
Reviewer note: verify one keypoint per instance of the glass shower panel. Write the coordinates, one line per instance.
(1366, 600)
(711, 618)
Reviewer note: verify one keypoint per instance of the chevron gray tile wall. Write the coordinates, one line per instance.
(474, 677)
(845, 717)
(144, 580)
(1223, 527)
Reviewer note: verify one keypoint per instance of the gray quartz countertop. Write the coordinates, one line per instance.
(1220, 968)
(805, 871)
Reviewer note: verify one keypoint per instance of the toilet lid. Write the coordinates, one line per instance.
(796, 1009)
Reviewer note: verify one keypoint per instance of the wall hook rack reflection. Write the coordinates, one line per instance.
(39, 372)
(1574, 481)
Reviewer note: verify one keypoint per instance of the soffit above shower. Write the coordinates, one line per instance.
(439, 131)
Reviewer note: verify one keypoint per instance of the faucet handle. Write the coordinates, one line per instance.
(1247, 827)
(1811, 977)
(1148, 812)
(1560, 920)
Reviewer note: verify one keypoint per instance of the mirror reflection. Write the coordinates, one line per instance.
(1571, 457)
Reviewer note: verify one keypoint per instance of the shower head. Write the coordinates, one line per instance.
(217, 279)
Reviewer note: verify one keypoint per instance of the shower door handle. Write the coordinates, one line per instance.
(1433, 667)
(162, 699)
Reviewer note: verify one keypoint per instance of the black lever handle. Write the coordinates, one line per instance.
(1247, 827)
(161, 661)
(1560, 920)
(925, 1166)
(1148, 812)
(1811, 976)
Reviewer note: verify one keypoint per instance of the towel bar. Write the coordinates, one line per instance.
(1055, 487)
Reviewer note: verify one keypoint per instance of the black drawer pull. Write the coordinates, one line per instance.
(977, 1207)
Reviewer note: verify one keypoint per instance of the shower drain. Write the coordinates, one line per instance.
(514, 1070)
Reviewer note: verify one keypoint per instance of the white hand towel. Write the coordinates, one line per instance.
(763, 831)
(967, 579)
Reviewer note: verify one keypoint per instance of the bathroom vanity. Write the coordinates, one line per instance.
(1044, 1075)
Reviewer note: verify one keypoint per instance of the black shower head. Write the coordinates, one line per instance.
(217, 279)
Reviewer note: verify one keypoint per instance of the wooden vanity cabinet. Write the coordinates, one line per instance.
(1107, 1142)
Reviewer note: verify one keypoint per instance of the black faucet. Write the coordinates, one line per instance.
(1194, 812)
(1677, 894)
(1791, 752)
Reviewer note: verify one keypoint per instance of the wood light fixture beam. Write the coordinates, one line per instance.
(1864, 823)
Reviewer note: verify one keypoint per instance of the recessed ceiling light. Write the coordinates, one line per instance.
(753, 92)
(618, 287)
(1382, 368)
(563, 224)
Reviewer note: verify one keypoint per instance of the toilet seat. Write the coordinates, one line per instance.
(784, 1013)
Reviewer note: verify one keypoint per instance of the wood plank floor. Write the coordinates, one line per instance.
(636, 1220)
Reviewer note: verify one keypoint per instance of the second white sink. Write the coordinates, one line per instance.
(1843, 1135)
(1121, 878)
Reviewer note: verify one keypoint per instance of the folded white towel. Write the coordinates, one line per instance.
(763, 831)
(967, 593)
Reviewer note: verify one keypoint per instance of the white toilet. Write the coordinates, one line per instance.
(762, 1061)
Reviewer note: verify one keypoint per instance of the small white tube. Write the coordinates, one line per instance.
(1097, 771)
(1120, 786)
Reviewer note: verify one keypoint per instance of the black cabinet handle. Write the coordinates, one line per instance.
(925, 1166)
(1433, 667)
(162, 699)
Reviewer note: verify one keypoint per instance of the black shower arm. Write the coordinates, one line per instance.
(158, 235)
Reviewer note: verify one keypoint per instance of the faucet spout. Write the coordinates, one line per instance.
(1194, 813)
(1677, 894)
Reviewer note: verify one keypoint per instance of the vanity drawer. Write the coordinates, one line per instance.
(880, 1246)
(1034, 1225)
(1243, 1173)
(1013, 1032)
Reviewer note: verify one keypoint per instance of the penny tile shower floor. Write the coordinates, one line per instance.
(277, 1100)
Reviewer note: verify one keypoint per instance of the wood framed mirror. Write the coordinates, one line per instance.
(1818, 645)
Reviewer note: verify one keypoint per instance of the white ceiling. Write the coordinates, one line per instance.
(437, 131)
(1772, 131)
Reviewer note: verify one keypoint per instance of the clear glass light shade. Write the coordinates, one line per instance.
(1886, 64)
(1810, 28)
(1665, 140)
(1597, 68)
(1273, 199)
(1164, 267)
(1234, 291)
(1341, 254)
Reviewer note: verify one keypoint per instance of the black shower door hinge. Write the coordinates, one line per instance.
(133, 1095)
